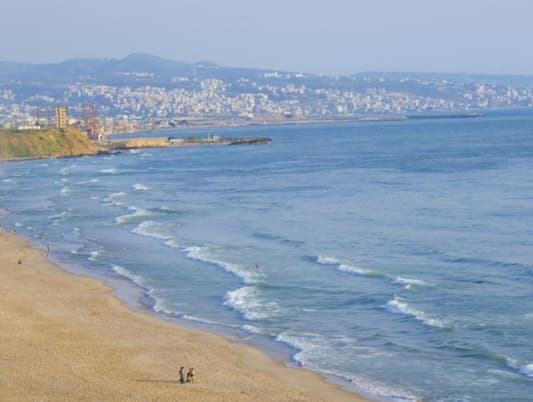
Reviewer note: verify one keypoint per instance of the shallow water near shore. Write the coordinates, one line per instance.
(395, 255)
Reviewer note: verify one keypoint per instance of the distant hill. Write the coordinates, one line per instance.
(135, 69)
(144, 69)
(22, 144)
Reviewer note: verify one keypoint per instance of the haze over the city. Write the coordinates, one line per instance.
(334, 37)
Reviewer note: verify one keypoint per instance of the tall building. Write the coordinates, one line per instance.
(61, 116)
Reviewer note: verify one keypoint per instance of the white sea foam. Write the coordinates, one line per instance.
(397, 306)
(136, 279)
(111, 199)
(9, 181)
(60, 215)
(252, 329)
(522, 368)
(248, 301)
(202, 254)
(159, 305)
(94, 256)
(109, 171)
(138, 212)
(198, 319)
(140, 187)
(66, 170)
(314, 351)
(88, 181)
(173, 243)
(342, 266)
(382, 391)
(408, 282)
(157, 230)
(66, 190)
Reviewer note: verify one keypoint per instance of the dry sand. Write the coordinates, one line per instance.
(66, 338)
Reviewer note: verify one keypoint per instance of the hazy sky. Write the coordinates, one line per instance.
(321, 36)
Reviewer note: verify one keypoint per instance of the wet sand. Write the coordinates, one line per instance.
(66, 337)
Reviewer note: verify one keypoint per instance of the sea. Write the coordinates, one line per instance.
(396, 258)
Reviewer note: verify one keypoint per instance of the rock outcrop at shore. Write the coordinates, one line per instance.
(34, 144)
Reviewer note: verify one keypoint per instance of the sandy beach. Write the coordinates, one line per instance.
(66, 337)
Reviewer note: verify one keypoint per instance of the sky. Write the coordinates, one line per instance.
(317, 36)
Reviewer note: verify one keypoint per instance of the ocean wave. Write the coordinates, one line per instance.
(248, 301)
(314, 351)
(111, 199)
(109, 171)
(66, 190)
(66, 170)
(159, 305)
(252, 329)
(93, 256)
(198, 319)
(173, 243)
(382, 391)
(138, 212)
(60, 216)
(9, 181)
(136, 279)
(525, 369)
(141, 187)
(153, 229)
(397, 306)
(91, 181)
(201, 254)
(344, 267)
(409, 282)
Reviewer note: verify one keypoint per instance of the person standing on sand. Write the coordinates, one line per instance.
(182, 375)
(190, 375)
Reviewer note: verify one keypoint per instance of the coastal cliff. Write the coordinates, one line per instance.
(33, 144)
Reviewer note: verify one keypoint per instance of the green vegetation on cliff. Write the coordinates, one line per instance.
(19, 144)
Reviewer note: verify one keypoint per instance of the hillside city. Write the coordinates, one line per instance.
(133, 102)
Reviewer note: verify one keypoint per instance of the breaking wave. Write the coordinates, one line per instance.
(525, 369)
(247, 300)
(314, 351)
(398, 306)
(141, 187)
(138, 212)
(342, 266)
(408, 282)
(111, 199)
(200, 254)
(157, 230)
(109, 171)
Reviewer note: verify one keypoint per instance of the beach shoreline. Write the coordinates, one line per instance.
(69, 336)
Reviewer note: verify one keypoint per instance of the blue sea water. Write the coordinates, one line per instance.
(395, 255)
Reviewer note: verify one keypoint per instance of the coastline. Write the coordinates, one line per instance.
(68, 336)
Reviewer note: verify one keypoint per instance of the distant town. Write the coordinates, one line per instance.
(143, 92)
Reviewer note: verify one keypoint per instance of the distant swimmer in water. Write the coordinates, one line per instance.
(257, 267)
(123, 250)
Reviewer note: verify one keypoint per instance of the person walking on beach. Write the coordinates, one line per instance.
(182, 375)
(190, 375)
